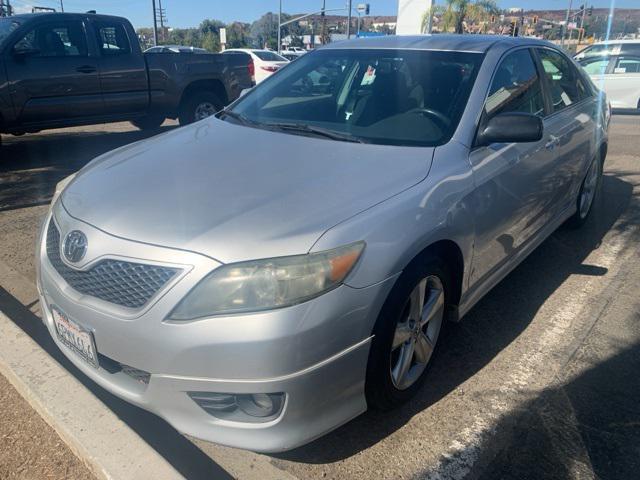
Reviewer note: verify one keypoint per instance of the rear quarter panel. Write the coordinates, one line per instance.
(171, 73)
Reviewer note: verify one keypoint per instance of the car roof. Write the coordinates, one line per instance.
(615, 42)
(447, 42)
(25, 17)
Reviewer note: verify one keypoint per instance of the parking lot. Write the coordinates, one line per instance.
(538, 381)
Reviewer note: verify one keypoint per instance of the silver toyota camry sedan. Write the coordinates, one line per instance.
(263, 276)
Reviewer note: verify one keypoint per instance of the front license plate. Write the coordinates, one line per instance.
(74, 336)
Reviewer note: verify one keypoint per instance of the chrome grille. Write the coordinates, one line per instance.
(123, 283)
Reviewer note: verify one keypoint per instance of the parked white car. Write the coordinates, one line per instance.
(610, 47)
(265, 62)
(297, 51)
(619, 76)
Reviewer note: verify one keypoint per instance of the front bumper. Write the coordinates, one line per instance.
(316, 352)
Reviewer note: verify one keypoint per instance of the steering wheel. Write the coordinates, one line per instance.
(439, 117)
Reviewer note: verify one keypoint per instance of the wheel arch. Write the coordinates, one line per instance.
(451, 254)
(212, 85)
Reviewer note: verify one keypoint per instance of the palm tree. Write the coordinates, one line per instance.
(456, 13)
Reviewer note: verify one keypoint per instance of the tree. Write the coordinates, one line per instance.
(264, 31)
(456, 14)
(238, 35)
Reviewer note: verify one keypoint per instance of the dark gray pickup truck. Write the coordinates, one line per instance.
(66, 69)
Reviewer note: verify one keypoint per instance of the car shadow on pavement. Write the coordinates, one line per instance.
(586, 428)
(32, 165)
(488, 328)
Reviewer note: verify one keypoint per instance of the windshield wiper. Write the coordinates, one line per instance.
(313, 130)
(236, 116)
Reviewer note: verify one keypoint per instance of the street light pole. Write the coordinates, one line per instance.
(279, 25)
(349, 21)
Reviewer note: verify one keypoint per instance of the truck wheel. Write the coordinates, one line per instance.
(199, 105)
(150, 122)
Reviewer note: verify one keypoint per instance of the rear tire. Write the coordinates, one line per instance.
(199, 105)
(150, 122)
(403, 321)
(589, 190)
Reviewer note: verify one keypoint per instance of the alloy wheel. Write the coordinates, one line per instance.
(417, 332)
(589, 188)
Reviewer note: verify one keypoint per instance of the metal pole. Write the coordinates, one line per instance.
(430, 19)
(358, 32)
(279, 25)
(349, 21)
(323, 28)
(9, 12)
(161, 20)
(566, 23)
(155, 24)
(61, 6)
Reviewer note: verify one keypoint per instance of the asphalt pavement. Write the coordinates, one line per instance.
(538, 381)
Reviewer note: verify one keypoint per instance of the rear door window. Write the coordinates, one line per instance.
(112, 38)
(566, 85)
(627, 65)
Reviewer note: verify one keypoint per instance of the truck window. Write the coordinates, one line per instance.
(60, 39)
(112, 39)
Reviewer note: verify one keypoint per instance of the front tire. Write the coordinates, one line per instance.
(588, 193)
(198, 106)
(406, 333)
(148, 123)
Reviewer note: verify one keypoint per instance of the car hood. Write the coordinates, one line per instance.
(235, 193)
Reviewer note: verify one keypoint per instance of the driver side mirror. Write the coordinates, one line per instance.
(511, 127)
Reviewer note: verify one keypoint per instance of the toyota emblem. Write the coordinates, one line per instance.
(75, 246)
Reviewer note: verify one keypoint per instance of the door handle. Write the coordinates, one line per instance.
(553, 141)
(86, 69)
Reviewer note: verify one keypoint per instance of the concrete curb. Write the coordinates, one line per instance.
(109, 448)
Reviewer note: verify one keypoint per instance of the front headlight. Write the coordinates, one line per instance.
(267, 284)
(60, 186)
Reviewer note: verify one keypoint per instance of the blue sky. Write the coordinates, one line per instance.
(185, 13)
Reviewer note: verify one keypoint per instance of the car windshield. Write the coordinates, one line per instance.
(390, 97)
(269, 56)
(6, 27)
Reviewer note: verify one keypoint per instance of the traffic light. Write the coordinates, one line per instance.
(493, 19)
(590, 11)
(535, 19)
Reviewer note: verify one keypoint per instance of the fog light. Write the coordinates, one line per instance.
(259, 404)
(240, 407)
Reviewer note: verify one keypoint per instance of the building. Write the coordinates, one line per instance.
(412, 16)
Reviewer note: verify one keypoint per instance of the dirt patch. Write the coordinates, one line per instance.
(29, 447)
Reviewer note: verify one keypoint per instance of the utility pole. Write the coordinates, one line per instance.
(155, 24)
(323, 28)
(279, 25)
(349, 20)
(61, 7)
(566, 23)
(161, 18)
